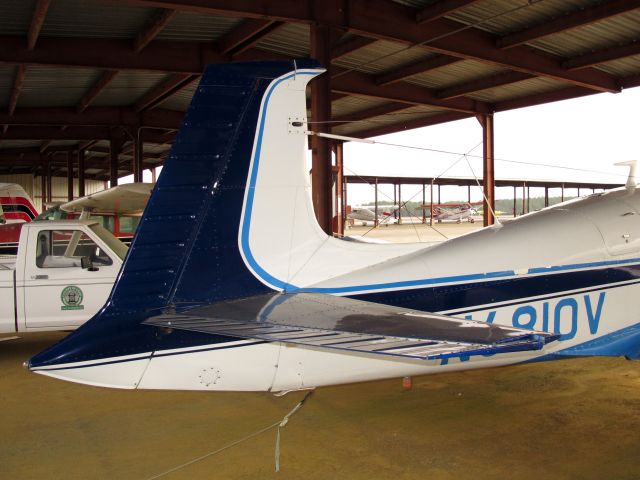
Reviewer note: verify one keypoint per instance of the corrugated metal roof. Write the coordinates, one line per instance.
(382, 56)
(181, 100)
(15, 16)
(7, 74)
(532, 86)
(623, 67)
(455, 74)
(617, 30)
(505, 16)
(291, 39)
(128, 87)
(197, 27)
(353, 104)
(94, 19)
(398, 118)
(55, 87)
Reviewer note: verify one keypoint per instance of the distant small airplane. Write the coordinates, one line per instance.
(218, 293)
(366, 214)
(454, 212)
(16, 206)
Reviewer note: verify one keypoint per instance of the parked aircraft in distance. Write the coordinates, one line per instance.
(367, 213)
(218, 293)
(454, 212)
(118, 209)
(16, 205)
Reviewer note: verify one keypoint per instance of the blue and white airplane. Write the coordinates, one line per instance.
(217, 293)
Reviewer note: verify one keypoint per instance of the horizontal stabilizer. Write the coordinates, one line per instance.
(341, 323)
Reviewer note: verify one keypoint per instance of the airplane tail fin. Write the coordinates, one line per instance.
(186, 250)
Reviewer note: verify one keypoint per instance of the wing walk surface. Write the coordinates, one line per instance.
(341, 323)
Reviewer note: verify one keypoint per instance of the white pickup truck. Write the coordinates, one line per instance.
(61, 276)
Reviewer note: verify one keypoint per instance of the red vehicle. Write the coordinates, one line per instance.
(117, 209)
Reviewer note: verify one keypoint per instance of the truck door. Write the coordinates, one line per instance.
(57, 292)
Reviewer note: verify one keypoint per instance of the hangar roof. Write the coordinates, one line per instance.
(75, 73)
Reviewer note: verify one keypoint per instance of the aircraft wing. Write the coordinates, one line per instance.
(129, 198)
(327, 321)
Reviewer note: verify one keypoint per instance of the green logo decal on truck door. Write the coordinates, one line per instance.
(71, 297)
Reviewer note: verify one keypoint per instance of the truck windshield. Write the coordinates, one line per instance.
(119, 248)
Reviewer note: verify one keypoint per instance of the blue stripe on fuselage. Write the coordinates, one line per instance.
(465, 296)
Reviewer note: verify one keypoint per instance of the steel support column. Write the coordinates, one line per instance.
(48, 175)
(115, 146)
(81, 173)
(399, 204)
(395, 202)
(488, 170)
(515, 196)
(69, 175)
(321, 112)
(375, 205)
(546, 196)
(138, 156)
(424, 211)
(431, 206)
(339, 183)
(44, 161)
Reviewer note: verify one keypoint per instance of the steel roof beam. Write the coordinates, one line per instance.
(603, 56)
(93, 117)
(480, 84)
(18, 81)
(29, 158)
(416, 68)
(37, 20)
(363, 115)
(164, 90)
(348, 47)
(569, 21)
(387, 20)
(355, 83)
(541, 98)
(631, 81)
(246, 35)
(77, 133)
(44, 145)
(101, 83)
(440, 9)
(410, 124)
(160, 20)
(179, 57)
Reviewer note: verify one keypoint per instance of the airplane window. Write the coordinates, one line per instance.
(2, 219)
(65, 248)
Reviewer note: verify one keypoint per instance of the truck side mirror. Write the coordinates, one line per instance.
(87, 264)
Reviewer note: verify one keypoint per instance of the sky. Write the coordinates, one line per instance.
(589, 133)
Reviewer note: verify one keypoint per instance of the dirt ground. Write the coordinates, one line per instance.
(574, 419)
